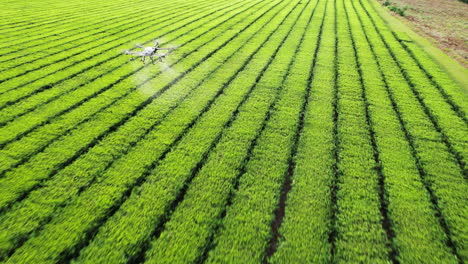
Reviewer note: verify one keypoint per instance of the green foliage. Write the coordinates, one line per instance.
(278, 132)
(308, 212)
(419, 224)
(210, 182)
(398, 10)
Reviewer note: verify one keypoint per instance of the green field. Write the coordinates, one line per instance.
(298, 131)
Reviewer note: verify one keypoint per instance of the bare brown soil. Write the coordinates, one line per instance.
(444, 22)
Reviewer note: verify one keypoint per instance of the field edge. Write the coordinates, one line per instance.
(455, 70)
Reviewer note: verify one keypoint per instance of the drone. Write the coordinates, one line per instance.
(150, 52)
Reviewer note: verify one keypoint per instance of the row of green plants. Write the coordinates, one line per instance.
(93, 163)
(451, 90)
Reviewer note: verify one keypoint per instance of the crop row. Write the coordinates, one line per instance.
(359, 235)
(451, 91)
(93, 163)
(111, 191)
(439, 171)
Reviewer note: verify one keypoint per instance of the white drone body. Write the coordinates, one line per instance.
(151, 52)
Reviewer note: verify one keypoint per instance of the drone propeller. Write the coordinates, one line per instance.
(170, 48)
(166, 54)
(156, 44)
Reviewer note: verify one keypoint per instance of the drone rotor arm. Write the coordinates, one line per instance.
(134, 53)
